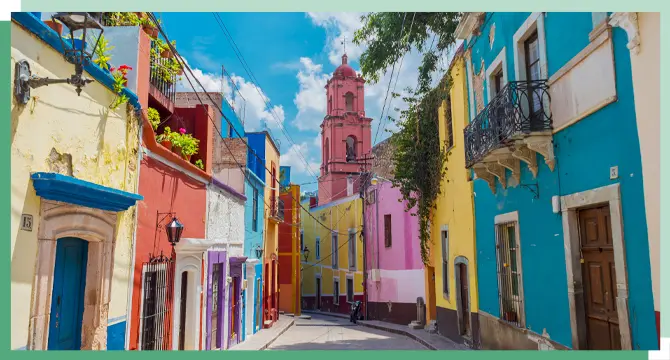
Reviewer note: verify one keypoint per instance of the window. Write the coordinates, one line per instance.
(349, 101)
(254, 211)
(154, 310)
(336, 291)
(497, 82)
(445, 262)
(330, 105)
(351, 149)
(214, 316)
(302, 240)
(350, 289)
(387, 231)
(352, 249)
(317, 245)
(448, 125)
(509, 273)
(532, 53)
(257, 299)
(326, 158)
(333, 252)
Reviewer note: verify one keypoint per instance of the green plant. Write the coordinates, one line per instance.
(200, 164)
(167, 135)
(120, 80)
(121, 19)
(188, 144)
(154, 117)
(102, 53)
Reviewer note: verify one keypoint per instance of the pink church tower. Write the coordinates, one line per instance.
(345, 135)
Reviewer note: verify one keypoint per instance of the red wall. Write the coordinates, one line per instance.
(165, 190)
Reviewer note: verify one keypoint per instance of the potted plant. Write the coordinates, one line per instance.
(177, 141)
(189, 145)
(102, 54)
(149, 27)
(199, 164)
(55, 25)
(120, 76)
(166, 138)
(154, 117)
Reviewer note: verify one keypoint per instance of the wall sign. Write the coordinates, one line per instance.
(27, 222)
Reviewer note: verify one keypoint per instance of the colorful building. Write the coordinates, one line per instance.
(73, 200)
(290, 248)
(333, 276)
(395, 272)
(452, 299)
(561, 234)
(643, 30)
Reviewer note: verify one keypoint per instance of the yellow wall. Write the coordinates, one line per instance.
(455, 203)
(340, 215)
(271, 240)
(103, 145)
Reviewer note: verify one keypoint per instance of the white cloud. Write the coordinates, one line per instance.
(293, 159)
(246, 98)
(339, 26)
(311, 98)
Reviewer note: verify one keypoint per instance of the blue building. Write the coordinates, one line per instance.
(561, 235)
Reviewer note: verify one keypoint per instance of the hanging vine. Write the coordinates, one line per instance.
(419, 157)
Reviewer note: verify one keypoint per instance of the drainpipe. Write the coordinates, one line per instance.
(377, 234)
(129, 306)
(365, 273)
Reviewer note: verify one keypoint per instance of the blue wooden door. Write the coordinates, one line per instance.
(67, 298)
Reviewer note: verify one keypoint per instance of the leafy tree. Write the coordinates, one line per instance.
(381, 32)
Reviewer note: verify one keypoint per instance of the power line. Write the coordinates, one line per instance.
(188, 69)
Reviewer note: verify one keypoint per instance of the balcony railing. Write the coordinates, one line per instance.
(519, 109)
(277, 210)
(161, 77)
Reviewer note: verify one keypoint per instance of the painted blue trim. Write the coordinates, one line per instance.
(116, 336)
(256, 178)
(35, 25)
(67, 189)
(116, 320)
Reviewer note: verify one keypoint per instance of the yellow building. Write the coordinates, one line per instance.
(270, 241)
(452, 295)
(74, 179)
(333, 273)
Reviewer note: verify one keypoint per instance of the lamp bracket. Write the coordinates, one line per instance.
(24, 81)
(160, 218)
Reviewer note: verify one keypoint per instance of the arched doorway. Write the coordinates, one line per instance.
(463, 297)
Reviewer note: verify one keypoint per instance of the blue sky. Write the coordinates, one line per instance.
(291, 56)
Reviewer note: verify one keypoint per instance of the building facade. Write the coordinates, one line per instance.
(290, 249)
(561, 236)
(73, 200)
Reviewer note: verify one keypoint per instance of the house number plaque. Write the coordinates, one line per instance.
(27, 222)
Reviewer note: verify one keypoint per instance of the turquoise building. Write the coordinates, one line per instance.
(561, 235)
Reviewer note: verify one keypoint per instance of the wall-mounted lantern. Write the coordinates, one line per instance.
(82, 28)
(174, 230)
(259, 252)
(305, 253)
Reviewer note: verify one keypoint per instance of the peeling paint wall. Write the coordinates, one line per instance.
(225, 218)
(58, 131)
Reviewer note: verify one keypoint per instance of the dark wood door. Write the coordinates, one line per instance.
(318, 293)
(465, 298)
(182, 310)
(599, 276)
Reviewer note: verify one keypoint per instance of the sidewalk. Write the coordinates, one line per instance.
(263, 338)
(431, 341)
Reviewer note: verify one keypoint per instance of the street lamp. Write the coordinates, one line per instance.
(82, 26)
(174, 230)
(305, 253)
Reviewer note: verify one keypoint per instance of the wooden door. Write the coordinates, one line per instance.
(432, 299)
(182, 310)
(67, 297)
(318, 293)
(599, 277)
(465, 299)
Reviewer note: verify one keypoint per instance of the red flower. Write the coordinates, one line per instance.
(112, 69)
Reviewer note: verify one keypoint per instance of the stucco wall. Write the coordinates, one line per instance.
(253, 238)
(225, 217)
(584, 152)
(55, 129)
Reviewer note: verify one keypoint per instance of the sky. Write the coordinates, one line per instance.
(288, 58)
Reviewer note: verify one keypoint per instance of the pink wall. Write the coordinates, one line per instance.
(404, 253)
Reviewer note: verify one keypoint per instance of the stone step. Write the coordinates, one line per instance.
(415, 325)
(305, 317)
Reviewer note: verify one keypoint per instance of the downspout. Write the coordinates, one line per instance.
(365, 273)
(377, 236)
(129, 306)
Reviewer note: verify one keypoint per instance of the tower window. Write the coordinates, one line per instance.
(349, 101)
(351, 149)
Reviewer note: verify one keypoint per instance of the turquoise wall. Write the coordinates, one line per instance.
(584, 153)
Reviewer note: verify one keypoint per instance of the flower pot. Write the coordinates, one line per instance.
(176, 149)
(167, 144)
(56, 26)
(139, 14)
(181, 72)
(151, 31)
(166, 54)
(186, 157)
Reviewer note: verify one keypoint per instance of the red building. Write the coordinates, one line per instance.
(290, 249)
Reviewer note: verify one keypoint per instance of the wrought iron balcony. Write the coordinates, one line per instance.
(277, 210)
(162, 77)
(520, 109)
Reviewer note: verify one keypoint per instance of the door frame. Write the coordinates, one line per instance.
(97, 227)
(462, 260)
(570, 204)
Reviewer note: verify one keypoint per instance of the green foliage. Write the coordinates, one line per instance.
(199, 164)
(122, 19)
(167, 135)
(102, 56)
(381, 33)
(419, 157)
(187, 143)
(154, 117)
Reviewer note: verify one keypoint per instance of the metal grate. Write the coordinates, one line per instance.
(160, 77)
(157, 298)
(214, 319)
(509, 274)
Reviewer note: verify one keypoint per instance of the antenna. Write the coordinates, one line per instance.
(344, 44)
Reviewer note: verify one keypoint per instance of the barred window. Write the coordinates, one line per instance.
(509, 273)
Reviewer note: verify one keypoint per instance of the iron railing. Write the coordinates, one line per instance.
(161, 77)
(158, 294)
(521, 107)
(510, 286)
(280, 209)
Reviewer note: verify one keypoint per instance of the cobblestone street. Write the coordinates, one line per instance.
(330, 333)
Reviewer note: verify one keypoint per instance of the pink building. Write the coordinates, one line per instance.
(345, 135)
(395, 270)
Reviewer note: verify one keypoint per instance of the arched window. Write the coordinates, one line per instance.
(326, 155)
(351, 149)
(330, 105)
(349, 101)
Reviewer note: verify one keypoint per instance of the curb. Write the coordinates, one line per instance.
(393, 331)
(280, 333)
